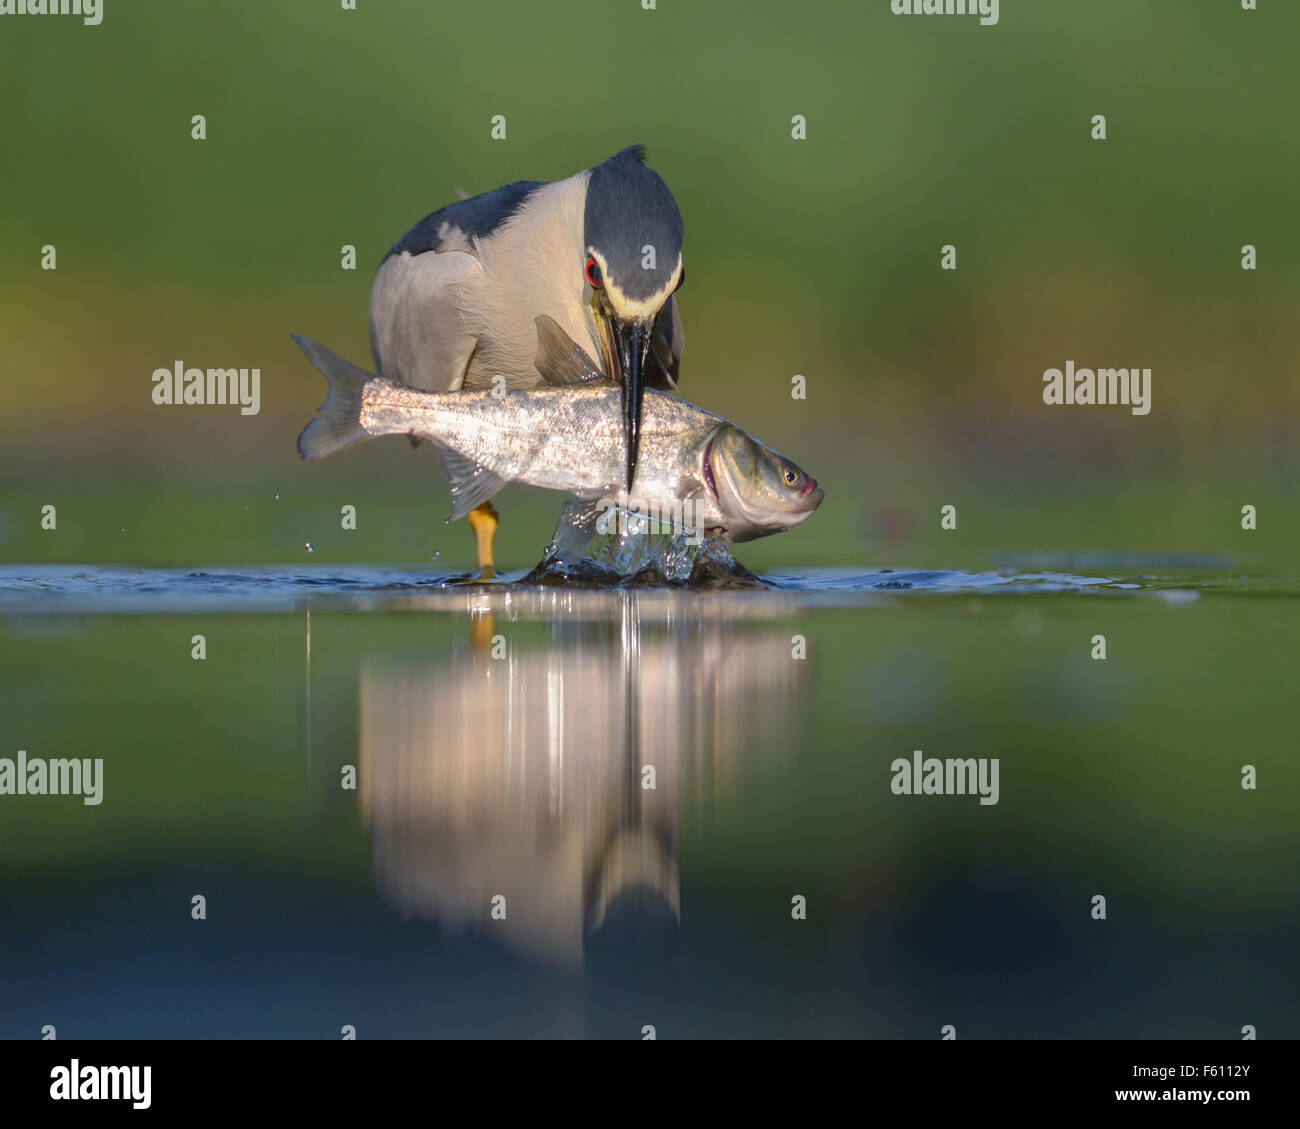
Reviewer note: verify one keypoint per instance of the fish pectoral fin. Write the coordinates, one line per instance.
(560, 359)
(471, 484)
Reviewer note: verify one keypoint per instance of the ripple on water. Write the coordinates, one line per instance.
(79, 589)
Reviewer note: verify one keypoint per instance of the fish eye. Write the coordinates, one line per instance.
(592, 271)
(790, 475)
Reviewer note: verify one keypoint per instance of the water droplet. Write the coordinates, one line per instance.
(310, 547)
(436, 554)
(277, 495)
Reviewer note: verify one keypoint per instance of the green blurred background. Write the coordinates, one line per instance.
(820, 257)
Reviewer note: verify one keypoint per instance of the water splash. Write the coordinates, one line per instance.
(634, 554)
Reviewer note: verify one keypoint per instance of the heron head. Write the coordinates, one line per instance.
(632, 263)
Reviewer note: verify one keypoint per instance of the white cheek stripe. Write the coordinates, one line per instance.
(627, 307)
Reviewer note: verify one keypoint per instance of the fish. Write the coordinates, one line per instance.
(568, 435)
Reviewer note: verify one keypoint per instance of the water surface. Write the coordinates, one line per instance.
(500, 736)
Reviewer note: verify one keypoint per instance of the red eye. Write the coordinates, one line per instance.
(594, 279)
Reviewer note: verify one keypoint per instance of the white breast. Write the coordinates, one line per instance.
(532, 265)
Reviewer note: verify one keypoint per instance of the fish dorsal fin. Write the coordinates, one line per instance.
(559, 358)
(471, 484)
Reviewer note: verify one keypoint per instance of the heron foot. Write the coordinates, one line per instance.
(484, 521)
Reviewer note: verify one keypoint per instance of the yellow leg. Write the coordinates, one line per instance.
(483, 520)
(482, 630)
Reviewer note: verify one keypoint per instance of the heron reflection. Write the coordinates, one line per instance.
(544, 772)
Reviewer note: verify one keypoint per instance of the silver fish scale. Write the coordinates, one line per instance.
(567, 439)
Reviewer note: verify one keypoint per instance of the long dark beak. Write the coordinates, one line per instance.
(631, 339)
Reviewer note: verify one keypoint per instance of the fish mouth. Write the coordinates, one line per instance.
(810, 497)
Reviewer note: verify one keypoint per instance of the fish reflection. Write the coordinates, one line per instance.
(554, 774)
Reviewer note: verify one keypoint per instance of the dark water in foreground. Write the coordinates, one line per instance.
(500, 737)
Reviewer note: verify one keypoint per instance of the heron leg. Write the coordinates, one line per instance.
(483, 520)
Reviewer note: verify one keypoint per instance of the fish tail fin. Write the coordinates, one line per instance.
(339, 422)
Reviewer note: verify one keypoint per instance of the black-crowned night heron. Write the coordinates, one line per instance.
(456, 299)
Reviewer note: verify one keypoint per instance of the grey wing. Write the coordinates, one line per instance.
(666, 345)
(416, 331)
